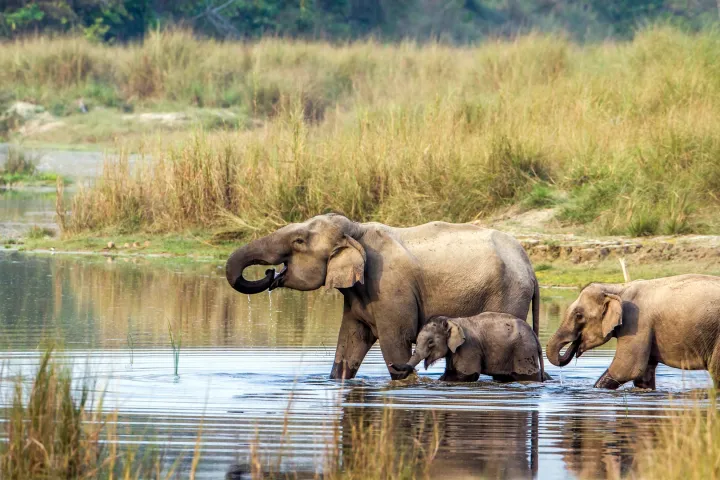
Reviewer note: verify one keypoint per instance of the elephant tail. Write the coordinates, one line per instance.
(536, 309)
(543, 376)
(536, 327)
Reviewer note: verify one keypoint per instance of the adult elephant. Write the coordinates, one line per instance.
(392, 279)
(672, 320)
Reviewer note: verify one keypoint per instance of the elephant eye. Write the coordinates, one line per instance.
(578, 316)
(299, 241)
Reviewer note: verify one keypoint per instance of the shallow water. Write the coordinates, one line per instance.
(249, 365)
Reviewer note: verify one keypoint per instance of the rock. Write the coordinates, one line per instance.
(135, 245)
(127, 245)
(24, 110)
(110, 245)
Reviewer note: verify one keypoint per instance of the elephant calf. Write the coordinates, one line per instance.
(495, 344)
(672, 320)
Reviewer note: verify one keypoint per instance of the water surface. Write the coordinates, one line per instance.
(253, 365)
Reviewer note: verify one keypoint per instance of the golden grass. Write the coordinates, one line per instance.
(627, 134)
(687, 447)
(365, 448)
(59, 430)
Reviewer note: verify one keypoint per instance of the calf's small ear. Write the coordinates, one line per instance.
(456, 336)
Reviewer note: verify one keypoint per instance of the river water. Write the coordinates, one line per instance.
(251, 366)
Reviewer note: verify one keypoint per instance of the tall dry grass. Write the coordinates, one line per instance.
(364, 448)
(687, 447)
(59, 430)
(622, 137)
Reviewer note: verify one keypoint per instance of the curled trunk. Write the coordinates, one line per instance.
(556, 343)
(255, 253)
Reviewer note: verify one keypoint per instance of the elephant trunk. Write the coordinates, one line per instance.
(410, 366)
(259, 252)
(556, 343)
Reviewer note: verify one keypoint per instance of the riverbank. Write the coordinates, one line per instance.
(559, 260)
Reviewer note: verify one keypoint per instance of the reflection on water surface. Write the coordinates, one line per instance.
(243, 358)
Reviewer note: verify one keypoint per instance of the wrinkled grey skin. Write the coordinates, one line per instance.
(495, 344)
(393, 279)
(672, 320)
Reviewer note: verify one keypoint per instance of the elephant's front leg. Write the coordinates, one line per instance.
(630, 362)
(354, 341)
(396, 345)
(607, 381)
(647, 381)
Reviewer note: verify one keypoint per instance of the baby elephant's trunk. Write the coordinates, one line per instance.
(407, 367)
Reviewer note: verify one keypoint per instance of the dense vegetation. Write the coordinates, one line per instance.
(622, 138)
(455, 20)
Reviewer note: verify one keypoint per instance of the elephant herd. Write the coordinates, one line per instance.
(458, 291)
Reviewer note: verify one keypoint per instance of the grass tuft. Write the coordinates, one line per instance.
(686, 447)
(57, 429)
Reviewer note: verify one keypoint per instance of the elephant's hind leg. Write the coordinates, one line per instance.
(647, 381)
(354, 341)
(714, 366)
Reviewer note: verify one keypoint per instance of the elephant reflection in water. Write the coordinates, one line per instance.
(598, 447)
(486, 443)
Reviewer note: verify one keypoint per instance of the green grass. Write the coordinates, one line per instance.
(20, 170)
(564, 273)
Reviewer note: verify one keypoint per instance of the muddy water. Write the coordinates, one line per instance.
(251, 366)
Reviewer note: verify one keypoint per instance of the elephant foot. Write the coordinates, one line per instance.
(459, 377)
(606, 381)
(342, 371)
(400, 372)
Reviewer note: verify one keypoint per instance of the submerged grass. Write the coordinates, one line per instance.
(624, 137)
(687, 447)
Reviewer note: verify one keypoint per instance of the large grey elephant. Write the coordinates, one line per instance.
(392, 279)
(672, 320)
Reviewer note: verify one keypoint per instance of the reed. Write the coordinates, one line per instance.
(57, 429)
(175, 344)
(621, 138)
(366, 447)
(687, 446)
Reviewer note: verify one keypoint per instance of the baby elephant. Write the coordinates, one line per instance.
(495, 344)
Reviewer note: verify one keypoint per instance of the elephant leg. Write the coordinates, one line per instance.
(533, 377)
(714, 366)
(608, 382)
(630, 363)
(647, 381)
(455, 376)
(354, 341)
(395, 352)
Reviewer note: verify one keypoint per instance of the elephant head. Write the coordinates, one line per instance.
(433, 342)
(321, 251)
(589, 322)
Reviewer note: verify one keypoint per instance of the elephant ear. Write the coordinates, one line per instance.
(456, 336)
(612, 313)
(346, 265)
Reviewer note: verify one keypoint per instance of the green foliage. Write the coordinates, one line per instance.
(456, 21)
(541, 196)
(38, 233)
